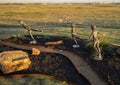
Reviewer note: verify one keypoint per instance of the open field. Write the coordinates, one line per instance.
(84, 15)
(54, 19)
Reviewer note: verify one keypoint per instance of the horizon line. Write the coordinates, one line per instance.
(53, 2)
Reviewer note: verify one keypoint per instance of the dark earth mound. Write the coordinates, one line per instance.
(59, 66)
(48, 63)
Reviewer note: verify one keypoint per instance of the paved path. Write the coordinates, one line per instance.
(80, 64)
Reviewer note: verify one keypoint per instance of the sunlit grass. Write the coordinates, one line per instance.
(102, 15)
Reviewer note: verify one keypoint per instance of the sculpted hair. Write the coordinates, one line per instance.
(93, 27)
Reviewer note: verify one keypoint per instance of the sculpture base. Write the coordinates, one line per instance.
(33, 42)
(98, 57)
(76, 46)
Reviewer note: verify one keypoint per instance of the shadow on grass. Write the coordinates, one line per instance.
(9, 26)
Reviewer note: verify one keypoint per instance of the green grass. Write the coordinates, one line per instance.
(42, 80)
(106, 17)
(110, 35)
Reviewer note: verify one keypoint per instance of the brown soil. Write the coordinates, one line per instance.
(59, 66)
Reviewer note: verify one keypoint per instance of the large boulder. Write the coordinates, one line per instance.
(12, 61)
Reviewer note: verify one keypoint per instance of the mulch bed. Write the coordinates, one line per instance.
(48, 63)
(59, 66)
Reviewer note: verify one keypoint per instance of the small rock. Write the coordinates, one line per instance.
(35, 51)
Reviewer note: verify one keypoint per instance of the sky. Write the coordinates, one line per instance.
(56, 1)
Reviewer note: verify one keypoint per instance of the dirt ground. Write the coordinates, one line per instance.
(59, 66)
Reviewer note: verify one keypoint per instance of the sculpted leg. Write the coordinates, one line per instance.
(34, 41)
(99, 56)
(75, 40)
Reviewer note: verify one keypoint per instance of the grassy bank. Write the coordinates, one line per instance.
(109, 35)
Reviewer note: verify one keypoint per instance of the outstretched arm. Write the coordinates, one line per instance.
(29, 28)
(37, 30)
(101, 33)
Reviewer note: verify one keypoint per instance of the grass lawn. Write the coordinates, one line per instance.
(105, 16)
(32, 80)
